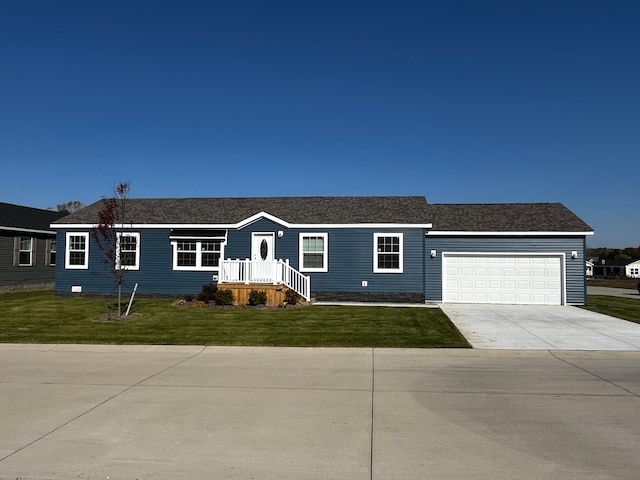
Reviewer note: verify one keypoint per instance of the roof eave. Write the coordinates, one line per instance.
(26, 230)
(449, 233)
(241, 225)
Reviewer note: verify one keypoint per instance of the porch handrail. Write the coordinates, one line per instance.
(277, 272)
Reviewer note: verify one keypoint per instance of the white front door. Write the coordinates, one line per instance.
(263, 267)
(262, 247)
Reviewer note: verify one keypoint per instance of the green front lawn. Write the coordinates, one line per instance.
(625, 308)
(41, 317)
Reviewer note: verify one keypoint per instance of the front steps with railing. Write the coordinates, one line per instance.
(276, 294)
(245, 274)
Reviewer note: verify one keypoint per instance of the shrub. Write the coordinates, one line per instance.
(188, 298)
(257, 297)
(291, 297)
(207, 293)
(224, 297)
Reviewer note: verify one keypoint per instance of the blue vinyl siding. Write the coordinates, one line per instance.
(155, 276)
(350, 257)
(575, 268)
(350, 261)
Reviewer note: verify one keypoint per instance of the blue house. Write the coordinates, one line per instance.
(370, 249)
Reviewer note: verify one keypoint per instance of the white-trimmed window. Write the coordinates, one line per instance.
(192, 254)
(24, 251)
(77, 251)
(51, 252)
(128, 251)
(314, 252)
(387, 253)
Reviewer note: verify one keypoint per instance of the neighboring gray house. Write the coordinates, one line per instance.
(27, 246)
(337, 248)
(610, 268)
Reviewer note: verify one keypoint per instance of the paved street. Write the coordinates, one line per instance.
(613, 292)
(155, 412)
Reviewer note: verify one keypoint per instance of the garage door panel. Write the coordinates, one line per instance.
(494, 298)
(503, 278)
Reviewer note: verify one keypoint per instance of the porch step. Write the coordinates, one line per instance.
(275, 293)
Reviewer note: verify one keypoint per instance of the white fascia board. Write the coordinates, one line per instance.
(258, 216)
(27, 230)
(249, 221)
(275, 219)
(506, 234)
(506, 253)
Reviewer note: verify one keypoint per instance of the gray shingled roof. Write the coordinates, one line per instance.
(294, 210)
(505, 217)
(28, 218)
(499, 217)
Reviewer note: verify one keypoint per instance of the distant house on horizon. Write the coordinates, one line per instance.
(368, 249)
(632, 269)
(610, 267)
(27, 247)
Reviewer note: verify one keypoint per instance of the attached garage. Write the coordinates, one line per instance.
(510, 278)
(516, 253)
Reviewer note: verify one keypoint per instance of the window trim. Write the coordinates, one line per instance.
(51, 248)
(19, 251)
(378, 269)
(325, 252)
(198, 241)
(67, 250)
(136, 235)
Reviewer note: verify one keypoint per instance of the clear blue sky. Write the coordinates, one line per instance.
(460, 101)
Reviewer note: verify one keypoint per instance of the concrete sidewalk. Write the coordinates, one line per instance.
(134, 412)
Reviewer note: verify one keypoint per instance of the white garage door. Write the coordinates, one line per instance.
(502, 278)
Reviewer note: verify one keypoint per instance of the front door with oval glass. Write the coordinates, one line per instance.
(262, 247)
(263, 254)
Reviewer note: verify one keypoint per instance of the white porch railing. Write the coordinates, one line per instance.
(276, 272)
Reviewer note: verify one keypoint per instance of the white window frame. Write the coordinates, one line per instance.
(68, 251)
(199, 252)
(325, 252)
(376, 267)
(136, 235)
(20, 251)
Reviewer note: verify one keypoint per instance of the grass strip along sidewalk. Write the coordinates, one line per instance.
(41, 317)
(624, 308)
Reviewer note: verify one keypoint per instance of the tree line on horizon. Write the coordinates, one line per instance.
(604, 253)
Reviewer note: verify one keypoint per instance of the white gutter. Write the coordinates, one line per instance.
(510, 234)
(27, 230)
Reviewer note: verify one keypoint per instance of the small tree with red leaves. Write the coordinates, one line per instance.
(107, 233)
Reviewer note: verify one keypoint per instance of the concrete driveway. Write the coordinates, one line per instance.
(541, 327)
(160, 412)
